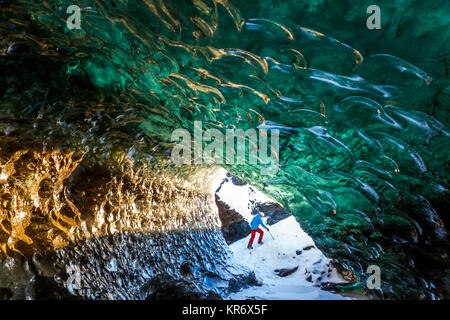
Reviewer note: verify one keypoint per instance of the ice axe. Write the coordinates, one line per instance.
(270, 234)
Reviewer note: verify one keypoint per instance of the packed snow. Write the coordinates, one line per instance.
(239, 198)
(281, 253)
(284, 250)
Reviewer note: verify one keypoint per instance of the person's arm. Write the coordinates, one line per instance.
(262, 223)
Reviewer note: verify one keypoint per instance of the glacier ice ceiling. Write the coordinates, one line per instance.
(87, 115)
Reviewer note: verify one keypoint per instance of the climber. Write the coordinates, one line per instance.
(254, 225)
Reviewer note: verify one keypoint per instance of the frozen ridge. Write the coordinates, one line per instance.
(282, 253)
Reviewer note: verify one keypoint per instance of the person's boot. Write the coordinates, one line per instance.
(249, 246)
(260, 243)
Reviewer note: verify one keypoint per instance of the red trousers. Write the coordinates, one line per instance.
(252, 237)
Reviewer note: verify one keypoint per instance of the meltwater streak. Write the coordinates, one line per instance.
(357, 155)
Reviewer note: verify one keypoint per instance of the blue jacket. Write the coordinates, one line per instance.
(256, 221)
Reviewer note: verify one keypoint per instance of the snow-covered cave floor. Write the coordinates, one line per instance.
(281, 253)
(278, 253)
